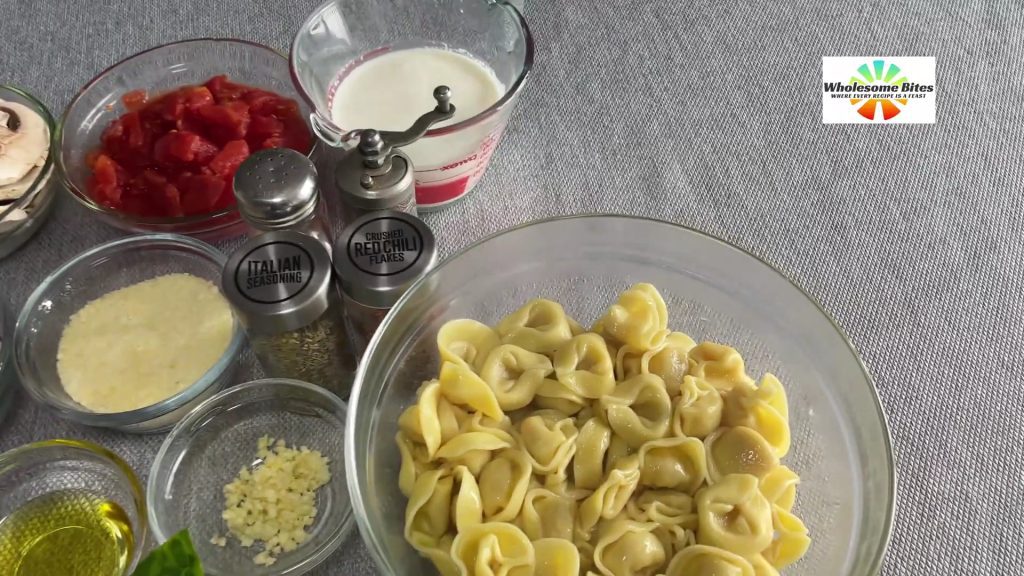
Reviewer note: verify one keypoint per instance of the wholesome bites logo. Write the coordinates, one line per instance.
(878, 90)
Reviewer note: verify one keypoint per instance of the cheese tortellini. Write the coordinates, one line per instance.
(628, 548)
(545, 449)
(494, 549)
(540, 326)
(738, 450)
(733, 514)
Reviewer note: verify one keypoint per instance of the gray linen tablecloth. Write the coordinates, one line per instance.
(709, 115)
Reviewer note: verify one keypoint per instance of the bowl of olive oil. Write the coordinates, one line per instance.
(69, 508)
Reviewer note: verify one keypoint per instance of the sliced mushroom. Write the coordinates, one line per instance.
(24, 145)
(7, 223)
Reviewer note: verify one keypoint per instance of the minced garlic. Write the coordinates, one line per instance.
(275, 503)
(144, 343)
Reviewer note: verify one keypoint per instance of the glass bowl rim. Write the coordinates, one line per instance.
(146, 413)
(83, 197)
(202, 415)
(356, 493)
(7, 322)
(504, 102)
(51, 155)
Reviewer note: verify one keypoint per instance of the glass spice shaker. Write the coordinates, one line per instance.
(375, 175)
(276, 189)
(279, 284)
(377, 258)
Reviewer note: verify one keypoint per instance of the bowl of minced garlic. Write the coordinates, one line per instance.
(255, 475)
(274, 502)
(129, 335)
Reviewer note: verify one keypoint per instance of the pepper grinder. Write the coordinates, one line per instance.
(375, 175)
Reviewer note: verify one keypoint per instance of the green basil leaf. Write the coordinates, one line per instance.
(176, 557)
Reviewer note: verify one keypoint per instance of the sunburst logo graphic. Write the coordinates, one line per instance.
(875, 90)
(876, 74)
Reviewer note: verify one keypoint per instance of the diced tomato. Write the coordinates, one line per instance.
(272, 142)
(280, 107)
(123, 132)
(177, 153)
(164, 194)
(91, 157)
(224, 90)
(169, 107)
(199, 193)
(176, 148)
(296, 135)
(134, 100)
(227, 161)
(106, 180)
(196, 97)
(227, 197)
(140, 206)
(134, 136)
(261, 128)
(261, 101)
(225, 122)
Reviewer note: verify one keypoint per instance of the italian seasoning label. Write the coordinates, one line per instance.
(385, 246)
(274, 272)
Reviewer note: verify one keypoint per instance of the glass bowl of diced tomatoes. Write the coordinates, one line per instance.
(153, 142)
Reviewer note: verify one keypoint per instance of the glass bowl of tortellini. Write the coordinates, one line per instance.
(608, 395)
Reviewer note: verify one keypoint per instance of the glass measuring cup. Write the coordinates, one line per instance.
(340, 35)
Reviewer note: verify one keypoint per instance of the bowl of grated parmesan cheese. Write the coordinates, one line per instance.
(129, 335)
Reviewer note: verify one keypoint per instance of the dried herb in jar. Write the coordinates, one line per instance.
(313, 353)
(279, 284)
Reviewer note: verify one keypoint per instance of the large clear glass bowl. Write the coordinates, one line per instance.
(714, 291)
(159, 70)
(88, 276)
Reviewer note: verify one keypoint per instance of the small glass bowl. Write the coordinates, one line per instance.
(158, 70)
(6, 359)
(51, 466)
(206, 450)
(90, 275)
(37, 201)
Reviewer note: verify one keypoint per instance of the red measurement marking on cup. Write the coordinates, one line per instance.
(444, 190)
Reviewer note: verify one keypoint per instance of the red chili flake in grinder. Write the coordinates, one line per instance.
(176, 155)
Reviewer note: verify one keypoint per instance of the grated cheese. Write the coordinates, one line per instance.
(139, 345)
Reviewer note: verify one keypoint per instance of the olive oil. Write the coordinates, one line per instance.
(66, 533)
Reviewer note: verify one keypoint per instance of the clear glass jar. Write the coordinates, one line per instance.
(280, 286)
(317, 352)
(363, 321)
(377, 258)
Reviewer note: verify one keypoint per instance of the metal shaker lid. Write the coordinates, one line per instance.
(380, 255)
(278, 281)
(276, 188)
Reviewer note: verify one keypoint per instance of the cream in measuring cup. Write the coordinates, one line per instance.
(389, 89)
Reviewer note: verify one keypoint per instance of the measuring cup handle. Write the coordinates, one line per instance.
(330, 135)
